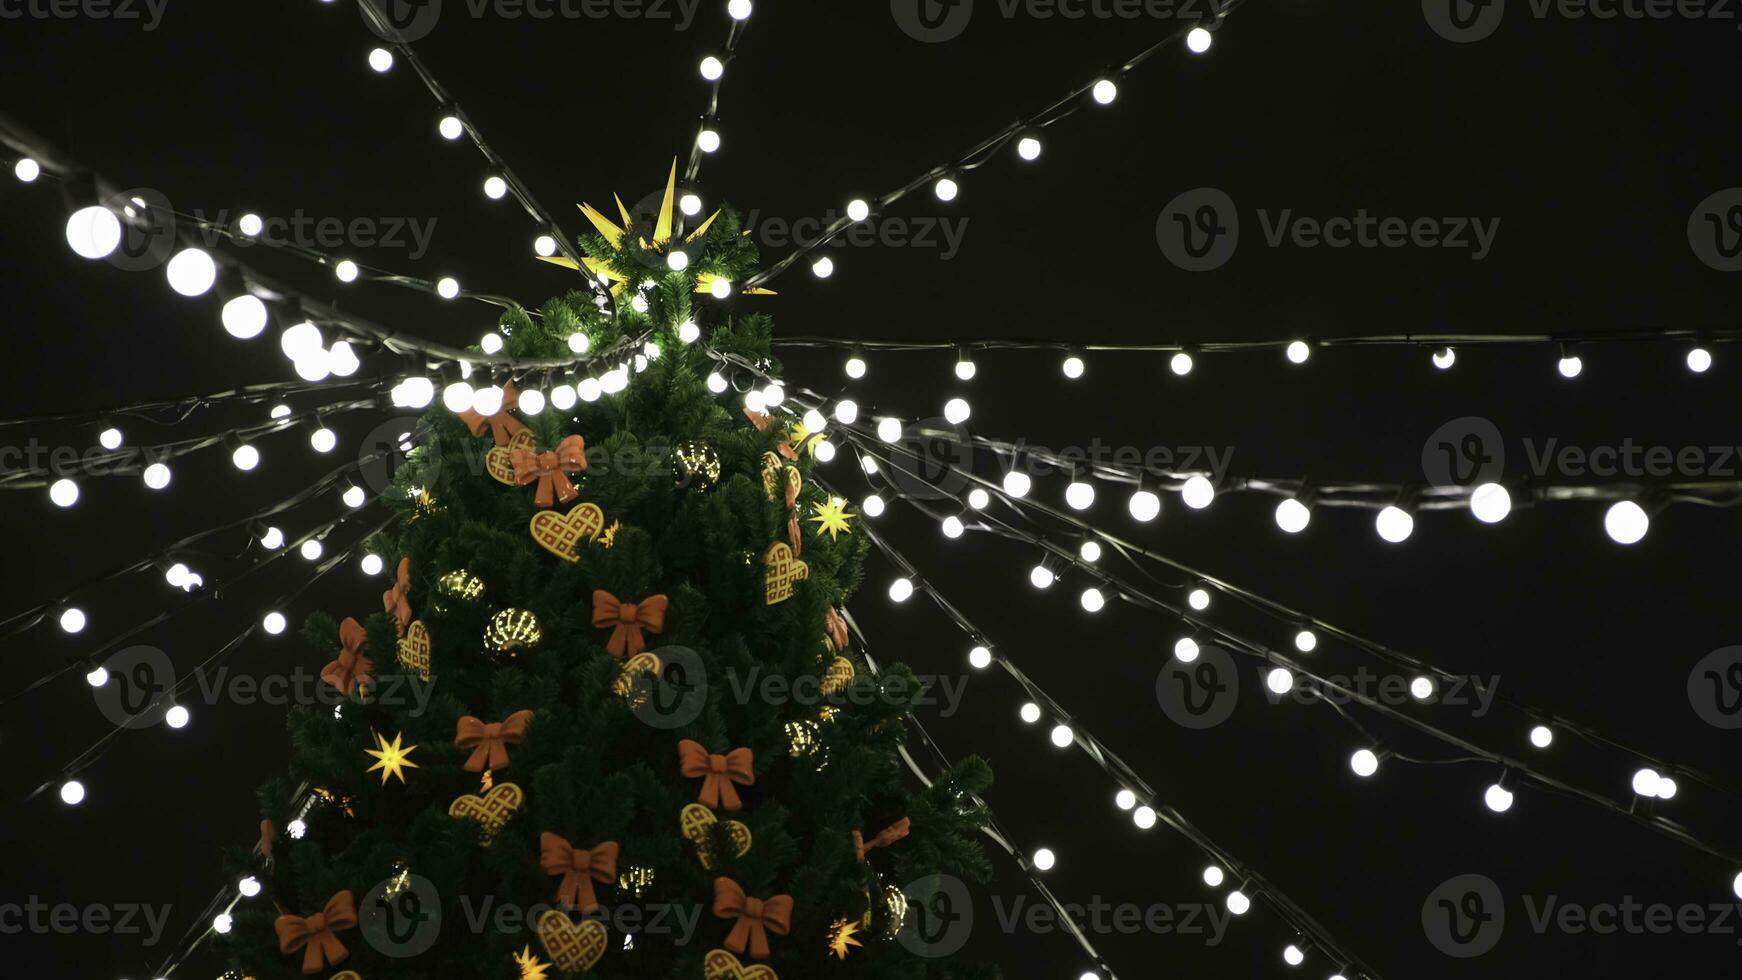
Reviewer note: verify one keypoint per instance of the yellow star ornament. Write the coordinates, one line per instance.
(531, 968)
(841, 935)
(390, 758)
(832, 517)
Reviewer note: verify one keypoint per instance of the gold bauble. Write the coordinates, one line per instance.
(461, 584)
(697, 465)
(511, 631)
(635, 880)
(894, 910)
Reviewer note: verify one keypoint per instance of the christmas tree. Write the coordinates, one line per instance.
(609, 720)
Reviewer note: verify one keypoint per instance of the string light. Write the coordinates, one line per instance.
(1298, 351)
(1699, 360)
(979, 658)
(177, 717)
(1186, 650)
(1292, 955)
(109, 438)
(946, 189)
(1090, 551)
(690, 204)
(63, 492)
(562, 397)
(1028, 148)
(251, 225)
(1365, 762)
(901, 590)
(93, 232)
(952, 527)
(979, 499)
(1213, 876)
(244, 316)
(1093, 600)
(1444, 358)
(1017, 484)
(1144, 505)
(1041, 577)
(311, 549)
(274, 623)
(1542, 736)
(1280, 680)
(1080, 495)
(1180, 364)
(447, 287)
(97, 676)
(1292, 515)
(889, 429)
(1238, 903)
(1044, 859)
(1198, 599)
(1498, 798)
(156, 476)
(381, 60)
(451, 128)
(1144, 817)
(1072, 366)
(248, 887)
(191, 272)
(495, 188)
(712, 68)
(272, 540)
(1626, 522)
(1490, 503)
(957, 410)
(1306, 641)
(1062, 736)
(1394, 524)
(346, 271)
(72, 620)
(1198, 40)
(72, 792)
(27, 170)
(1421, 688)
(245, 457)
(1105, 91)
(708, 141)
(872, 506)
(739, 9)
(1198, 492)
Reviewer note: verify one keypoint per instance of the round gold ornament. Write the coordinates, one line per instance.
(510, 631)
(697, 465)
(461, 584)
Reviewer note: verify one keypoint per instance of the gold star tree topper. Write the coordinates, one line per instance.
(832, 517)
(391, 759)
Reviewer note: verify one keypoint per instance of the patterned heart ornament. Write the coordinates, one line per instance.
(499, 461)
(697, 824)
(414, 648)
(491, 810)
(722, 965)
(561, 534)
(784, 570)
(573, 946)
(347, 975)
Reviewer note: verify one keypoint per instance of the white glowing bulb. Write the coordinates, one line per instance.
(1198, 492)
(580, 343)
(311, 549)
(1199, 40)
(371, 564)
(346, 271)
(531, 401)
(946, 189)
(245, 457)
(562, 397)
(447, 287)
(1298, 351)
(487, 400)
(1030, 712)
(1062, 736)
(495, 188)
(97, 676)
(978, 498)
(457, 397)
(109, 438)
(1394, 524)
(591, 390)
(1181, 364)
(177, 574)
(1093, 600)
(490, 343)
(1213, 876)
(1044, 859)
(1186, 650)
(872, 506)
(1080, 495)
(1699, 360)
(1421, 688)
(248, 887)
(638, 303)
(774, 394)
(1542, 736)
(1143, 817)
(1736, 886)
(1280, 680)
(176, 717)
(1292, 955)
(823, 267)
(354, 497)
(957, 410)
(855, 367)
(72, 620)
(1645, 782)
(244, 316)
(1445, 357)
(251, 224)
(678, 260)
(720, 289)
(296, 828)
(63, 492)
(156, 476)
(72, 792)
(690, 205)
(901, 590)
(1292, 516)
(1570, 366)
(274, 623)
(93, 232)
(1090, 551)
(1041, 577)
(713, 68)
(1498, 798)
(1073, 367)
(739, 9)
(858, 209)
(1626, 522)
(27, 170)
(1365, 762)
(889, 429)
(1490, 503)
(1144, 505)
(1198, 599)
(300, 340)
(1028, 148)
(1238, 903)
(342, 360)
(979, 658)
(952, 527)
(708, 140)
(272, 540)
(1306, 641)
(617, 379)
(451, 128)
(191, 272)
(755, 401)
(222, 923)
(1017, 483)
(381, 60)
(688, 332)
(1106, 91)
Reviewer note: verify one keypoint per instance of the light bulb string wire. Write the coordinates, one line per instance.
(693, 168)
(132, 460)
(179, 410)
(1114, 766)
(382, 27)
(271, 290)
(1713, 335)
(982, 151)
(991, 829)
(21, 621)
(1130, 592)
(93, 753)
(1288, 615)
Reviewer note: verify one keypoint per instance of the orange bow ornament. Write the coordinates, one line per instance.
(353, 669)
(758, 419)
(579, 868)
(837, 627)
(718, 773)
(756, 917)
(267, 833)
(792, 534)
(315, 935)
(629, 621)
(884, 838)
(550, 470)
(489, 743)
(502, 425)
(397, 600)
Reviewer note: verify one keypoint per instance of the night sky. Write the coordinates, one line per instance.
(1585, 144)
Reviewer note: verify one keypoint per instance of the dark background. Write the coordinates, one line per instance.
(1591, 140)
